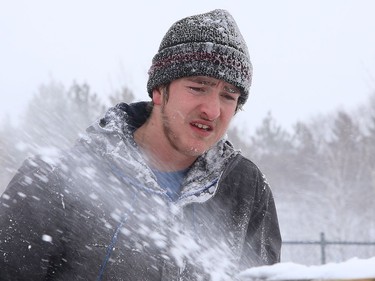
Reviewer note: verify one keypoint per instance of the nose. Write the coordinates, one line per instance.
(210, 107)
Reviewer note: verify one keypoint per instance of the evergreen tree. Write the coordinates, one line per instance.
(55, 117)
(271, 149)
(124, 95)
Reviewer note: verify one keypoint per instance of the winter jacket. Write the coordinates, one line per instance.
(97, 213)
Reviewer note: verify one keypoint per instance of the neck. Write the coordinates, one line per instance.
(159, 154)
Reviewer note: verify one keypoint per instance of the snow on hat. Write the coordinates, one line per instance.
(208, 44)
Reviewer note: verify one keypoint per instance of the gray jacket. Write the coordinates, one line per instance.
(98, 213)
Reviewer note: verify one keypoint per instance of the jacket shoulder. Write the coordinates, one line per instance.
(242, 167)
(245, 180)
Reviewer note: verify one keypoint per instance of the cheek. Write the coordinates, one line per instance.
(179, 110)
(175, 115)
(179, 116)
(227, 115)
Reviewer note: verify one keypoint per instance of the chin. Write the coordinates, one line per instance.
(196, 150)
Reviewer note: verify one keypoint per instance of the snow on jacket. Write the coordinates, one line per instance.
(98, 213)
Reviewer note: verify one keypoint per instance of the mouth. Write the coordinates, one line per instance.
(202, 126)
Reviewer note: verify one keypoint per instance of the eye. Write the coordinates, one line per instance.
(197, 89)
(229, 97)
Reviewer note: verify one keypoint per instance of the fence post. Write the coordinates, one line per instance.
(323, 247)
(323, 243)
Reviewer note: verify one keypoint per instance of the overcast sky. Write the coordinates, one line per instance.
(309, 57)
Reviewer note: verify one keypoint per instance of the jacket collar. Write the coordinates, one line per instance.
(113, 138)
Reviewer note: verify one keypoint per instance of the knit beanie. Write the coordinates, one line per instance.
(208, 44)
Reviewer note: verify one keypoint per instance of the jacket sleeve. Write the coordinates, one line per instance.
(262, 243)
(30, 241)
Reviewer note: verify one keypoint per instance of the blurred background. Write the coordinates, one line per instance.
(309, 123)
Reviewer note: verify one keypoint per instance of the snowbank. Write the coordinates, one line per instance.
(352, 269)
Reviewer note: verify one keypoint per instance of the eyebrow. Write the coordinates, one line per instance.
(201, 80)
(206, 81)
(232, 90)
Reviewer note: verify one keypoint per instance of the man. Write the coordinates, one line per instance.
(153, 191)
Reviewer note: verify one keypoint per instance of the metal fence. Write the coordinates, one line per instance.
(323, 243)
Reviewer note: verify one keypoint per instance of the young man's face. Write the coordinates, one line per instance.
(197, 113)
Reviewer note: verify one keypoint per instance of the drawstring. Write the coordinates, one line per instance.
(130, 181)
(121, 176)
(113, 242)
(194, 222)
(110, 249)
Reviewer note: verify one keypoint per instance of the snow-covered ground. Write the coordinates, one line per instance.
(351, 269)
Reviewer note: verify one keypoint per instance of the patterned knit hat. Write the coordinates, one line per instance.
(208, 44)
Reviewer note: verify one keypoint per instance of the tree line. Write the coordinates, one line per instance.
(322, 171)
(54, 118)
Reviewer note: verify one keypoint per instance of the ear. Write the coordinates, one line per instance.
(157, 96)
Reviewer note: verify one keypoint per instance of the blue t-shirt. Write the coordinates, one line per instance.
(171, 181)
